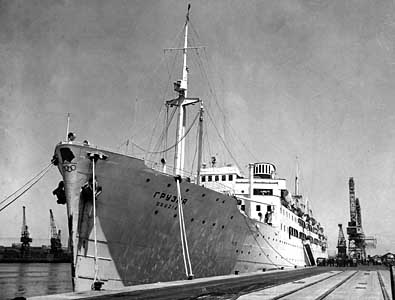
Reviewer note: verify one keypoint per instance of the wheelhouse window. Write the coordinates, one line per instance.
(203, 178)
(243, 207)
(223, 177)
(258, 208)
(210, 178)
(216, 178)
(230, 177)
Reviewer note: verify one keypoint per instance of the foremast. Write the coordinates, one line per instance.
(181, 87)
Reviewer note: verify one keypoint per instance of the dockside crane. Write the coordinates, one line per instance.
(56, 244)
(357, 241)
(25, 235)
(341, 244)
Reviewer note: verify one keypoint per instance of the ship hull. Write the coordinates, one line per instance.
(138, 235)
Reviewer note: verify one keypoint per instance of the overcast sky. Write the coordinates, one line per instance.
(309, 79)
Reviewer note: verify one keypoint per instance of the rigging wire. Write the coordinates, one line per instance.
(165, 89)
(28, 188)
(224, 143)
(171, 147)
(163, 135)
(212, 91)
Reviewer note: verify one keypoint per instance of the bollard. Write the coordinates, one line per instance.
(392, 282)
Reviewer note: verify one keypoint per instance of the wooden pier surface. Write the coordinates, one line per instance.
(365, 282)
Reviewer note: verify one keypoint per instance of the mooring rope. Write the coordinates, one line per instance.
(29, 185)
(94, 220)
(95, 156)
(184, 242)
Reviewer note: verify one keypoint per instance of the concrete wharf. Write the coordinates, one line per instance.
(345, 284)
(304, 283)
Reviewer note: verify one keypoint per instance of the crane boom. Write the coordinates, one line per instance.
(358, 213)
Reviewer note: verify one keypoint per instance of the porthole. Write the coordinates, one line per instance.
(222, 226)
(155, 212)
(231, 217)
(147, 180)
(192, 219)
(203, 195)
(249, 252)
(168, 185)
(241, 252)
(213, 224)
(217, 199)
(203, 221)
(237, 251)
(223, 201)
(175, 215)
(187, 190)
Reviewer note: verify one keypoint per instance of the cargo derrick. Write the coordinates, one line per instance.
(356, 237)
(56, 244)
(25, 236)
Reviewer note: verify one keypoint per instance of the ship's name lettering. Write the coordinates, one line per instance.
(167, 197)
(166, 205)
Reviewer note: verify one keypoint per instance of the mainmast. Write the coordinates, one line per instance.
(181, 87)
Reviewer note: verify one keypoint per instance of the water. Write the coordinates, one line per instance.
(34, 279)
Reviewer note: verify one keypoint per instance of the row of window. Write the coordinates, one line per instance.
(243, 207)
(288, 214)
(263, 168)
(217, 178)
(300, 221)
(301, 235)
(293, 232)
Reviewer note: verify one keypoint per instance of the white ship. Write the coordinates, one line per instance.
(131, 224)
